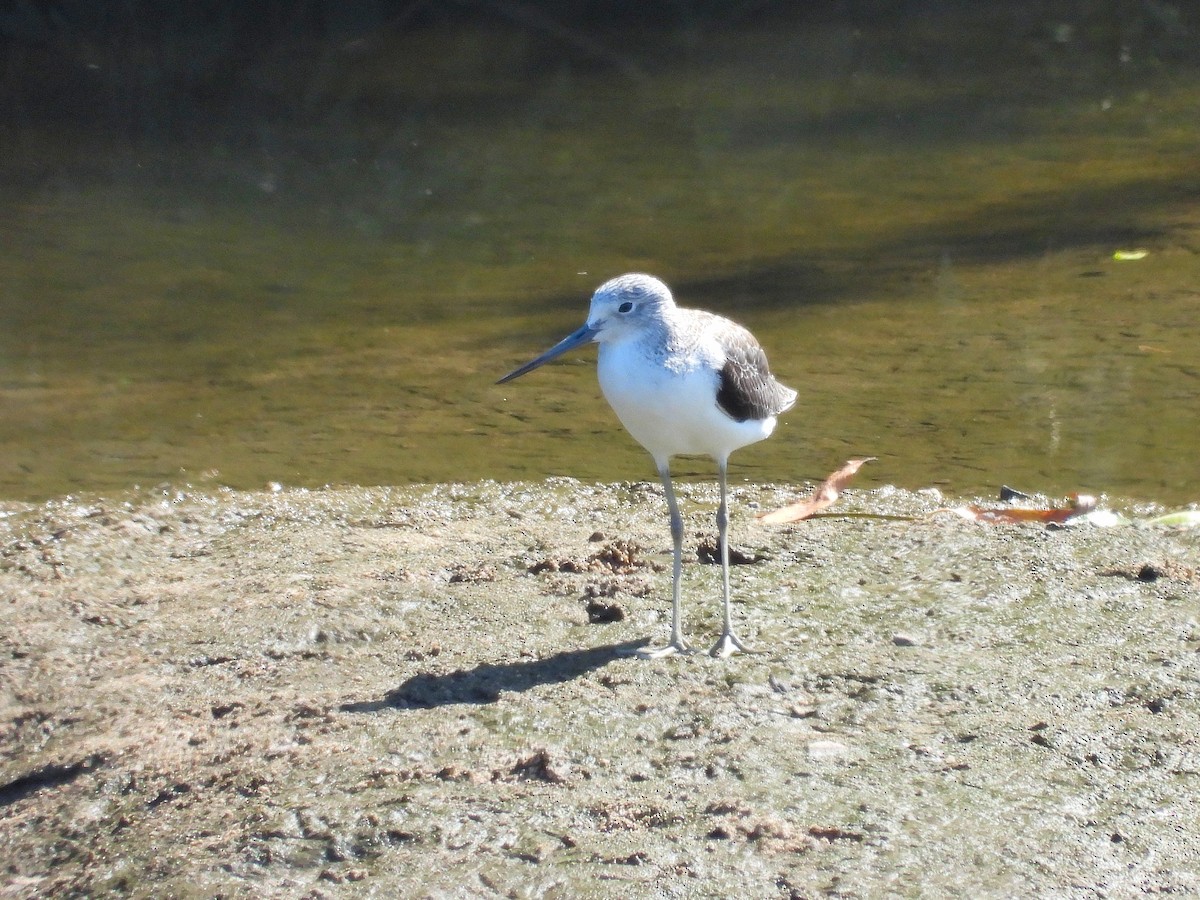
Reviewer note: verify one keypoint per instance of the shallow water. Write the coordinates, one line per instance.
(313, 270)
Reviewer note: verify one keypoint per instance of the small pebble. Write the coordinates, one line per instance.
(827, 749)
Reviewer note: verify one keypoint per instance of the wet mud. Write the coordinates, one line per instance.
(427, 692)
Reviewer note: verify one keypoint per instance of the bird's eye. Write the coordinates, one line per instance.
(625, 307)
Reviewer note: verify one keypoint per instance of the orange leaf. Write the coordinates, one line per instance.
(1080, 504)
(821, 498)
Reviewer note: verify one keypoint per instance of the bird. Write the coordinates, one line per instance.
(683, 382)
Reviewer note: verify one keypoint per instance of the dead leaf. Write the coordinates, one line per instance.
(1081, 504)
(1186, 518)
(828, 492)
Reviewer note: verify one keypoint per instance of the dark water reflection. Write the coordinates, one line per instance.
(302, 254)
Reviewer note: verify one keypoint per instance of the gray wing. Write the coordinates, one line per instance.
(747, 389)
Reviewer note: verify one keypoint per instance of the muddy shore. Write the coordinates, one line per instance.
(425, 692)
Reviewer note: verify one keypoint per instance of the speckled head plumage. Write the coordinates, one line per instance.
(629, 303)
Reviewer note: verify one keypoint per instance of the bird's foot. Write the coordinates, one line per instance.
(727, 645)
(677, 646)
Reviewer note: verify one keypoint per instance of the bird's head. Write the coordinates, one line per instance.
(624, 306)
(627, 304)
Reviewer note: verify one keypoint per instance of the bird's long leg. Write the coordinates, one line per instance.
(677, 643)
(728, 644)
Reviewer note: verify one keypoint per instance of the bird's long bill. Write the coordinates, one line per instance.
(570, 342)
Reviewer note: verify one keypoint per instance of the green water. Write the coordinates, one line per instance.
(315, 274)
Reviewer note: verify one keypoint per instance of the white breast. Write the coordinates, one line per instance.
(672, 410)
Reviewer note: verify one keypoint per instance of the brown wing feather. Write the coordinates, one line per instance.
(747, 389)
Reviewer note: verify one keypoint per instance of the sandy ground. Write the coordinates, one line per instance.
(424, 692)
